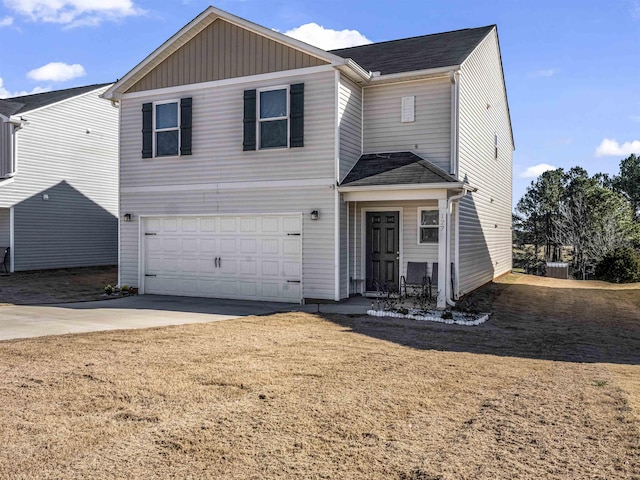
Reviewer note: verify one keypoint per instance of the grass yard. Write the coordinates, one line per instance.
(56, 286)
(548, 388)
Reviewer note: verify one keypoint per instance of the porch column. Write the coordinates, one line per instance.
(443, 238)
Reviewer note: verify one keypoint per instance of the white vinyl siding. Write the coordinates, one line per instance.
(485, 215)
(429, 135)
(218, 159)
(68, 151)
(350, 124)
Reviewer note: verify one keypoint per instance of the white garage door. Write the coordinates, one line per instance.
(250, 257)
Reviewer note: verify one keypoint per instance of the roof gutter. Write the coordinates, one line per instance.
(414, 75)
(359, 74)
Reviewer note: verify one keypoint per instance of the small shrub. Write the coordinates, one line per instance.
(447, 314)
(619, 266)
(108, 289)
(125, 289)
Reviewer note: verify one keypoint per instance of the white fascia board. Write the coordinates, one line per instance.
(327, 183)
(416, 186)
(194, 27)
(412, 75)
(263, 77)
(395, 195)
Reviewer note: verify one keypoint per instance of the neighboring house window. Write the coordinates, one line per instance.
(166, 128)
(274, 117)
(428, 225)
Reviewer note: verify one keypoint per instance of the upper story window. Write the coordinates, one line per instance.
(428, 225)
(166, 128)
(273, 118)
(166, 131)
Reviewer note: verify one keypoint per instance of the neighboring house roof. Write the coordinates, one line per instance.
(8, 108)
(417, 53)
(394, 168)
(38, 100)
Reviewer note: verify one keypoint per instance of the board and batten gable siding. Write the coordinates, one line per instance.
(216, 178)
(350, 124)
(485, 215)
(69, 152)
(221, 51)
(428, 136)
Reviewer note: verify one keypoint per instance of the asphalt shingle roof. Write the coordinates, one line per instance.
(394, 168)
(416, 53)
(37, 100)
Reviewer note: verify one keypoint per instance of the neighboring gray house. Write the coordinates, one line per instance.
(59, 179)
(255, 166)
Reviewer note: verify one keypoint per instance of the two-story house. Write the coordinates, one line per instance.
(59, 179)
(255, 166)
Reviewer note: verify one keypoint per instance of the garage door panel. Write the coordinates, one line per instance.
(291, 246)
(248, 245)
(269, 246)
(228, 225)
(170, 225)
(227, 245)
(243, 257)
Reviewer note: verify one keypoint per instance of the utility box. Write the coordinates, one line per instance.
(558, 270)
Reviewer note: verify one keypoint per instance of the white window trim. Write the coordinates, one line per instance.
(155, 130)
(420, 226)
(271, 119)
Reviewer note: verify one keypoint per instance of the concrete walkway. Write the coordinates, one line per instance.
(144, 311)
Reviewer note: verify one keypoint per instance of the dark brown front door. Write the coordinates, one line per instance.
(383, 250)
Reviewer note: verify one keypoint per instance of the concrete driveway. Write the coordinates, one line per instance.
(141, 311)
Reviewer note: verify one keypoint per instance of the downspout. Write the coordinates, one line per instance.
(449, 293)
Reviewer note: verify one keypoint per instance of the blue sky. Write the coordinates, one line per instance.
(572, 67)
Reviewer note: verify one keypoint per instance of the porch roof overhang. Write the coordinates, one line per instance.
(398, 176)
(426, 191)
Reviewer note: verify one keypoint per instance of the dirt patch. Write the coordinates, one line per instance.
(540, 391)
(56, 286)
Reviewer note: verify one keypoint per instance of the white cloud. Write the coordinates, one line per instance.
(57, 72)
(611, 148)
(326, 38)
(73, 13)
(4, 93)
(550, 72)
(536, 170)
(6, 21)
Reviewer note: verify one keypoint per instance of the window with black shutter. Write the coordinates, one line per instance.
(274, 117)
(166, 128)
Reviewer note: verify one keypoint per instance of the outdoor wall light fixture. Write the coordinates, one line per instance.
(127, 217)
(315, 214)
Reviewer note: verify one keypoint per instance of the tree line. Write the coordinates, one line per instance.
(591, 222)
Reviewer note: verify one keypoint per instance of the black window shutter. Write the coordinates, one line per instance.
(185, 126)
(296, 93)
(147, 130)
(249, 140)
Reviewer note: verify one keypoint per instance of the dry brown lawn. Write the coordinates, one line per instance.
(56, 286)
(547, 389)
